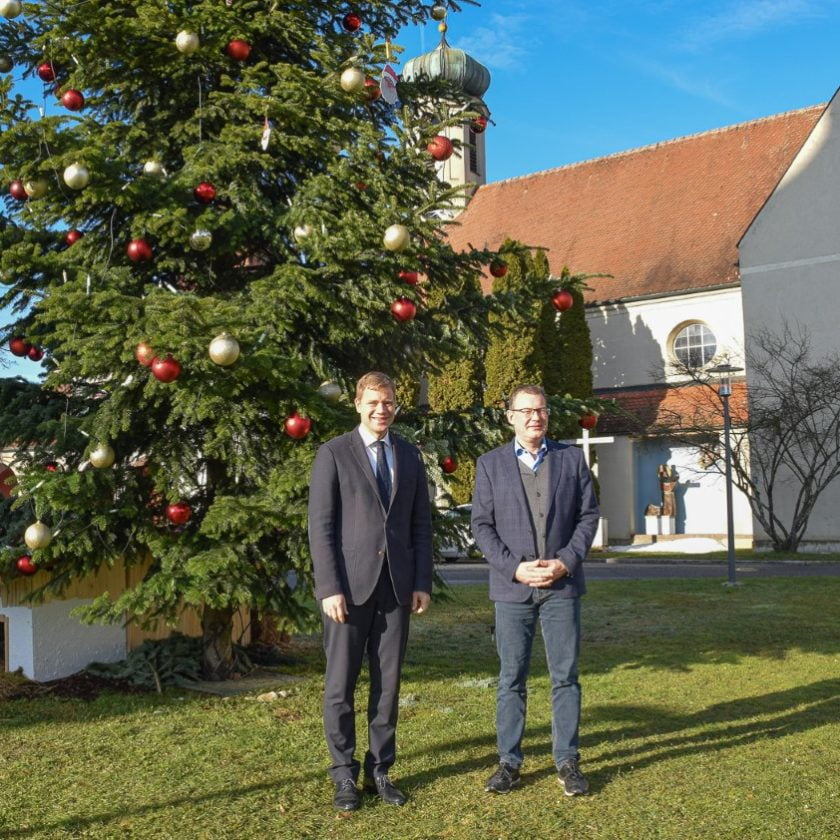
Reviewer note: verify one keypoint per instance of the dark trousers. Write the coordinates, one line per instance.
(380, 628)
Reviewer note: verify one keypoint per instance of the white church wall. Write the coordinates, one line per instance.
(615, 479)
(631, 341)
(790, 269)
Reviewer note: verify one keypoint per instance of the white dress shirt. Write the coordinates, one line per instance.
(370, 447)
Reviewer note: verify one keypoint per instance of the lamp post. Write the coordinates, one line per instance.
(724, 372)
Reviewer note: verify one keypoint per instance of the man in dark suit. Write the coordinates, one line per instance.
(370, 534)
(534, 515)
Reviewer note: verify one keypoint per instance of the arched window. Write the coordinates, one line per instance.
(694, 345)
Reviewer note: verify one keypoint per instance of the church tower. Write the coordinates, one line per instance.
(469, 163)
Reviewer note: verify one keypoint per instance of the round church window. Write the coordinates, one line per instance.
(694, 345)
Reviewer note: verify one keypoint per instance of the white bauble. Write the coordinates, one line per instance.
(353, 80)
(201, 239)
(224, 349)
(10, 8)
(102, 457)
(154, 169)
(76, 176)
(396, 238)
(330, 391)
(187, 42)
(36, 188)
(37, 535)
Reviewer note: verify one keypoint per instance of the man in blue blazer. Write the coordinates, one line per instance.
(370, 535)
(534, 516)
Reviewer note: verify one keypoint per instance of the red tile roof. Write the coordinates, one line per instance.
(663, 218)
(687, 407)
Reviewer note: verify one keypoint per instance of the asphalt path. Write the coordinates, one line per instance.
(461, 574)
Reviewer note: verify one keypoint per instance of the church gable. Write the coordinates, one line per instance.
(662, 219)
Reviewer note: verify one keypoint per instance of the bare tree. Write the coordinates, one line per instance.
(786, 431)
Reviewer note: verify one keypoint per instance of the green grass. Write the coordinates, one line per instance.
(708, 712)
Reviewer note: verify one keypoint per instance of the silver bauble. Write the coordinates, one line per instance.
(353, 80)
(396, 238)
(187, 42)
(102, 457)
(37, 535)
(10, 8)
(154, 169)
(224, 349)
(76, 176)
(201, 239)
(36, 188)
(330, 391)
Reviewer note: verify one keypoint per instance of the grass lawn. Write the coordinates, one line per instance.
(709, 712)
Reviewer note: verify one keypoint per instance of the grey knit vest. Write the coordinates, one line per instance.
(536, 492)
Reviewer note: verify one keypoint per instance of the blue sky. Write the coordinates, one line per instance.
(577, 79)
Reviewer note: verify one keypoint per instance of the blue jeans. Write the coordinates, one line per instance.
(515, 627)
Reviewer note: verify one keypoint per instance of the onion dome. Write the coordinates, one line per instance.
(452, 64)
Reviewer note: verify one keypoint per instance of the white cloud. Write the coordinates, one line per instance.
(687, 82)
(499, 45)
(745, 18)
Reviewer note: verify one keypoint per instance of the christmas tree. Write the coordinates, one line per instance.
(213, 224)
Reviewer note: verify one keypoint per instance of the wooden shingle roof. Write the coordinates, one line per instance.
(661, 219)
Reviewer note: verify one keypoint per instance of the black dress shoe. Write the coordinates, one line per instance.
(382, 787)
(346, 796)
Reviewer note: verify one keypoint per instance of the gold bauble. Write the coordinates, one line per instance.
(330, 391)
(224, 349)
(353, 80)
(438, 11)
(187, 42)
(154, 169)
(10, 8)
(37, 535)
(201, 239)
(302, 232)
(102, 457)
(396, 238)
(36, 188)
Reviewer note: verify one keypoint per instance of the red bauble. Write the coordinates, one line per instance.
(144, 354)
(449, 465)
(178, 513)
(440, 147)
(498, 268)
(479, 125)
(238, 50)
(205, 192)
(403, 309)
(361, 186)
(26, 566)
(139, 250)
(17, 191)
(410, 277)
(72, 236)
(351, 22)
(562, 300)
(588, 421)
(35, 353)
(73, 100)
(296, 426)
(166, 370)
(372, 90)
(19, 346)
(46, 71)
(51, 466)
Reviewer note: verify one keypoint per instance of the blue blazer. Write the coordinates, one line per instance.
(501, 521)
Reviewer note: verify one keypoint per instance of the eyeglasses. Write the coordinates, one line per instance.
(528, 413)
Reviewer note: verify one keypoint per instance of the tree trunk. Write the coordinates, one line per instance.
(217, 632)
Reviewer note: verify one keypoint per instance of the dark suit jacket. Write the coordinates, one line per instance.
(501, 521)
(350, 531)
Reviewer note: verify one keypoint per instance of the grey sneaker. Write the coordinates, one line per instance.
(504, 780)
(573, 781)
